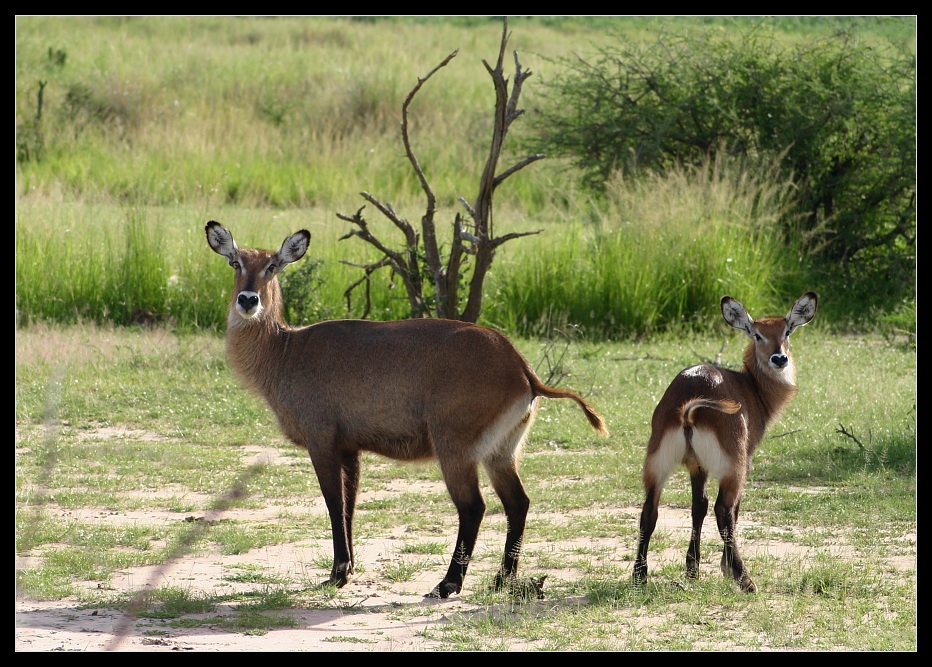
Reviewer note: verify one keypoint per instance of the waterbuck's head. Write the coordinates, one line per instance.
(256, 293)
(769, 350)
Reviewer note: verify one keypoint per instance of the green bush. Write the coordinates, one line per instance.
(838, 111)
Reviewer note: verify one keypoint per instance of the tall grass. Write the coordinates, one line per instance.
(656, 258)
(659, 256)
(288, 111)
(260, 111)
(150, 126)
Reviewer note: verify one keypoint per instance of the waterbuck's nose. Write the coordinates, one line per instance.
(247, 301)
(778, 360)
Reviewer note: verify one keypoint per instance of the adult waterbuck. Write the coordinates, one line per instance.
(710, 420)
(409, 390)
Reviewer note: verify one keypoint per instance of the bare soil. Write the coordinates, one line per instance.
(396, 614)
(370, 614)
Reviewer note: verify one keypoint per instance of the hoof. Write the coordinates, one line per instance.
(639, 577)
(338, 581)
(339, 575)
(443, 590)
(503, 582)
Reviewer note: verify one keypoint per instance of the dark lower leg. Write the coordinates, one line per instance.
(351, 488)
(330, 477)
(463, 486)
(699, 509)
(469, 518)
(515, 500)
(732, 563)
(646, 527)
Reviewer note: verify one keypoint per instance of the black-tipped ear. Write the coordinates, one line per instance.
(737, 316)
(220, 240)
(294, 247)
(802, 312)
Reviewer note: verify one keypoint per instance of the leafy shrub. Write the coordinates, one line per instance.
(840, 112)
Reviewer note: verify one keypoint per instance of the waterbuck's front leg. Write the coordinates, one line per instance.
(350, 481)
(726, 514)
(331, 471)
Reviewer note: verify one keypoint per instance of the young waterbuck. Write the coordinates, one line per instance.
(711, 420)
(410, 390)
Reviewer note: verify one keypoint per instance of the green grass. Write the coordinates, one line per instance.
(846, 506)
(154, 125)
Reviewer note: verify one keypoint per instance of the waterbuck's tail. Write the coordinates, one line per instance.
(540, 389)
(686, 412)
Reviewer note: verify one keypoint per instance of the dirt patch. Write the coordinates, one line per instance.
(375, 611)
(369, 614)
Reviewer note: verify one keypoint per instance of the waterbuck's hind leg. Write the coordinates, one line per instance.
(700, 508)
(646, 527)
(463, 486)
(508, 486)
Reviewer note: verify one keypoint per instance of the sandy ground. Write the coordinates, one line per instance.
(366, 620)
(371, 613)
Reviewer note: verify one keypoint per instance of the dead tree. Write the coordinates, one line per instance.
(473, 234)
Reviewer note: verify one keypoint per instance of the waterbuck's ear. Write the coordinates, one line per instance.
(221, 240)
(293, 248)
(802, 312)
(736, 315)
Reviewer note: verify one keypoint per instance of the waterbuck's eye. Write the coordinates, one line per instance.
(235, 264)
(758, 337)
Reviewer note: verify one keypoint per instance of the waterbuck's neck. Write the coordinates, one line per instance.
(774, 388)
(256, 346)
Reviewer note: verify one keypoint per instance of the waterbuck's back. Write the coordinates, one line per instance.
(391, 386)
(717, 384)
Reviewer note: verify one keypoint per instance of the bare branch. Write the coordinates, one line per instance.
(520, 76)
(466, 236)
(369, 269)
(367, 236)
(454, 267)
(431, 199)
(389, 212)
(849, 434)
(505, 112)
(469, 209)
(473, 236)
(445, 307)
(352, 218)
(518, 167)
(784, 434)
(407, 268)
(499, 240)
